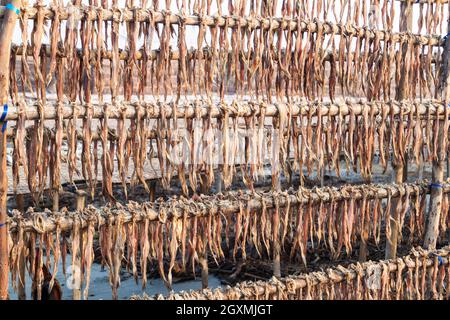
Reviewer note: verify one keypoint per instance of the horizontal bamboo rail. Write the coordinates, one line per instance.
(272, 23)
(226, 204)
(293, 284)
(203, 109)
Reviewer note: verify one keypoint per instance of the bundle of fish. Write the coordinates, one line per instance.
(420, 275)
(172, 235)
(201, 138)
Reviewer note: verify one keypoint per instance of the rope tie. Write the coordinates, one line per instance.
(3, 121)
(12, 8)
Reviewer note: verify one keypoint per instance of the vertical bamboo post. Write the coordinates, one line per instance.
(400, 167)
(4, 268)
(203, 184)
(432, 232)
(80, 205)
(55, 204)
(203, 259)
(218, 181)
(20, 202)
(152, 186)
(6, 32)
(81, 200)
(448, 165)
(276, 244)
(21, 292)
(276, 186)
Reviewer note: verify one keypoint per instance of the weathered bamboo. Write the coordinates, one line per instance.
(55, 200)
(203, 260)
(80, 206)
(81, 200)
(439, 160)
(242, 108)
(21, 281)
(273, 23)
(6, 32)
(21, 292)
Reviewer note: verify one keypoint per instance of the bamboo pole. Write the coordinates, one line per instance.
(80, 205)
(152, 186)
(81, 200)
(272, 23)
(55, 200)
(437, 179)
(400, 166)
(20, 202)
(243, 108)
(6, 32)
(203, 259)
(21, 292)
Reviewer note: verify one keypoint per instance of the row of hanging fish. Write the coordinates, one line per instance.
(296, 139)
(87, 57)
(421, 275)
(170, 236)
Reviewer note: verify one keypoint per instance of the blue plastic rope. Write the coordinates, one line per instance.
(3, 117)
(5, 112)
(11, 7)
(435, 185)
(441, 261)
(2, 224)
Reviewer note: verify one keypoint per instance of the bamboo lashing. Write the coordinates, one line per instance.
(396, 279)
